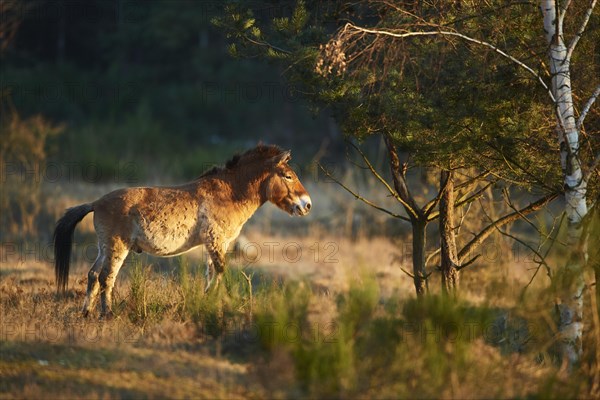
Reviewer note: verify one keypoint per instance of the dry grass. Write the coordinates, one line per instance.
(48, 350)
(169, 340)
(329, 315)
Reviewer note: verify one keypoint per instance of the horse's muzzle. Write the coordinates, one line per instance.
(302, 206)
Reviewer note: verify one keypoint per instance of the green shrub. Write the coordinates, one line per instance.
(221, 310)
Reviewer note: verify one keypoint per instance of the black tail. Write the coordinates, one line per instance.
(63, 239)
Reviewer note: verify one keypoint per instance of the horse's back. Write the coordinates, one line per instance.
(158, 220)
(146, 199)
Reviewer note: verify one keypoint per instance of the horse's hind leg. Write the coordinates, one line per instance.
(93, 285)
(110, 269)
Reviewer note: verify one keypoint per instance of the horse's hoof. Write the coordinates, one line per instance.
(85, 313)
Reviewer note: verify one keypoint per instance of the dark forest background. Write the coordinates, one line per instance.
(151, 84)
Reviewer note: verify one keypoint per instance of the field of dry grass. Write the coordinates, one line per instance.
(305, 312)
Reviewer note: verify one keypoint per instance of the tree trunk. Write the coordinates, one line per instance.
(570, 281)
(449, 254)
(418, 219)
(419, 229)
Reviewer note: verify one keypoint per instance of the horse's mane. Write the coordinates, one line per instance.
(259, 153)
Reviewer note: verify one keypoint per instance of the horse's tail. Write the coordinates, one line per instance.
(63, 240)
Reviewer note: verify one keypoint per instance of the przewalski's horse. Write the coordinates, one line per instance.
(168, 221)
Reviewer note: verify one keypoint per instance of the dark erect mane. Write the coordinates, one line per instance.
(259, 153)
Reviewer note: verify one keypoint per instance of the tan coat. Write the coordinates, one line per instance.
(167, 221)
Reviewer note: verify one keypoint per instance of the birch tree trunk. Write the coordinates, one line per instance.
(570, 280)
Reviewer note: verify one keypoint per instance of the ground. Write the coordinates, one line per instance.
(343, 310)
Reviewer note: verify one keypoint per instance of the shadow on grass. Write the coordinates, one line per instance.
(53, 370)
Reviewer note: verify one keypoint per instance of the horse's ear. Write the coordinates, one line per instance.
(282, 158)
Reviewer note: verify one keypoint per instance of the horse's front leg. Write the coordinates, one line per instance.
(209, 274)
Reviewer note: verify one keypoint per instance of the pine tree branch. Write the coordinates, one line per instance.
(266, 44)
(383, 32)
(509, 161)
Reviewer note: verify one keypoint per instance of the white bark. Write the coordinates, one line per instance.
(571, 284)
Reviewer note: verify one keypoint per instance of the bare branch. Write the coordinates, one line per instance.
(472, 180)
(460, 203)
(425, 277)
(487, 231)
(593, 167)
(427, 210)
(466, 264)
(587, 107)
(359, 197)
(548, 270)
(542, 259)
(434, 202)
(474, 196)
(248, 279)
(407, 273)
(430, 256)
(553, 239)
(377, 175)
(350, 26)
(462, 219)
(563, 11)
(575, 40)
(529, 222)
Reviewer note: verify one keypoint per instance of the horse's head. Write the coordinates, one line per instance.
(283, 188)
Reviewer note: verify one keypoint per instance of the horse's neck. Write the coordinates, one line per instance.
(237, 197)
(247, 194)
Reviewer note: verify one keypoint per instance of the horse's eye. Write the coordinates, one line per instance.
(288, 177)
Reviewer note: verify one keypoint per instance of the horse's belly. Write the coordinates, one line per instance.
(166, 248)
(164, 240)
